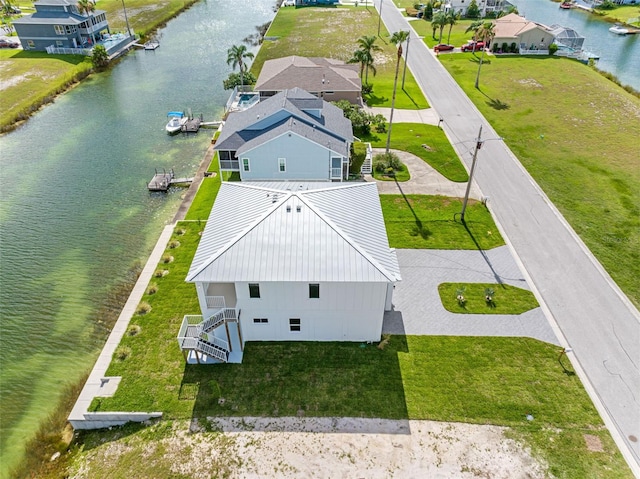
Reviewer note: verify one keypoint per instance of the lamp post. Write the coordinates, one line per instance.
(473, 167)
(406, 60)
(379, 17)
(126, 19)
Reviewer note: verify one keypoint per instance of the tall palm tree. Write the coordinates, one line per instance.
(451, 19)
(484, 34)
(87, 7)
(398, 38)
(438, 21)
(474, 27)
(368, 45)
(235, 57)
(360, 57)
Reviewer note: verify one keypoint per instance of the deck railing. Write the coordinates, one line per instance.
(215, 302)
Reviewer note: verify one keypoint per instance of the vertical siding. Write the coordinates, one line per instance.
(344, 312)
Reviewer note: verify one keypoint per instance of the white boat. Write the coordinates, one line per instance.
(176, 120)
(619, 29)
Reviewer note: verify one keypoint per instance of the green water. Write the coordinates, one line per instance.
(75, 215)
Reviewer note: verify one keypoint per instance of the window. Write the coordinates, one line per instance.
(59, 29)
(260, 320)
(245, 164)
(314, 291)
(294, 324)
(31, 44)
(70, 29)
(282, 165)
(254, 290)
(59, 43)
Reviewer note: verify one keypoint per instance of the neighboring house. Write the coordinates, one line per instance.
(60, 24)
(289, 262)
(290, 136)
(528, 36)
(485, 6)
(325, 78)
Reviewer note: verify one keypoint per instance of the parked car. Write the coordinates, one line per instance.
(443, 47)
(5, 43)
(472, 46)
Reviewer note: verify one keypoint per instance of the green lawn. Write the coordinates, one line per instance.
(562, 120)
(411, 137)
(505, 300)
(334, 32)
(427, 222)
(458, 35)
(623, 13)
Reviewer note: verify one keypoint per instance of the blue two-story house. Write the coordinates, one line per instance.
(59, 24)
(292, 135)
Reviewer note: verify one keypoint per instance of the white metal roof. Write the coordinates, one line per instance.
(310, 232)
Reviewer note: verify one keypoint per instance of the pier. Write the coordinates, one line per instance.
(192, 125)
(162, 181)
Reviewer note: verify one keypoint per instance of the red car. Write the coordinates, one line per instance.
(443, 47)
(7, 43)
(472, 46)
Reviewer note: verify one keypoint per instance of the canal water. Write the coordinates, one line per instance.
(75, 215)
(619, 55)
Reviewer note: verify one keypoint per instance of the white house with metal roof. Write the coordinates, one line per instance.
(292, 135)
(287, 261)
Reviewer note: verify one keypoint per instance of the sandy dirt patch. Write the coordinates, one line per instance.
(325, 448)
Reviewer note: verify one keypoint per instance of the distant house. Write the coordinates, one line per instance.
(289, 262)
(485, 6)
(528, 36)
(326, 78)
(60, 24)
(290, 136)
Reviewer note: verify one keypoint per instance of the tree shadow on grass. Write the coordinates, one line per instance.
(494, 102)
(373, 100)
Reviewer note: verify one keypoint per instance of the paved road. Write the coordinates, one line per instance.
(597, 320)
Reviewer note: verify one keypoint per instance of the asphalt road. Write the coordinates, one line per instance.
(594, 317)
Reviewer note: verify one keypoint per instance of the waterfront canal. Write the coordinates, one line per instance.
(619, 55)
(75, 214)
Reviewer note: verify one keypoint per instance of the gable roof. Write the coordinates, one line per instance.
(308, 232)
(512, 26)
(311, 74)
(245, 127)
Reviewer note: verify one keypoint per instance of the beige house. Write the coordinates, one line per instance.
(530, 37)
(326, 78)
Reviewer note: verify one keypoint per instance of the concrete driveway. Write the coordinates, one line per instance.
(418, 309)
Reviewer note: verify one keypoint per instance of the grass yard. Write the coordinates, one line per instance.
(570, 138)
(411, 137)
(400, 176)
(506, 300)
(623, 13)
(30, 79)
(458, 35)
(426, 222)
(335, 31)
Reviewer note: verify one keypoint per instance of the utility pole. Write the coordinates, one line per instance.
(473, 167)
(380, 17)
(406, 59)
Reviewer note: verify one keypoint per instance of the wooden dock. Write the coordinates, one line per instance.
(192, 125)
(162, 181)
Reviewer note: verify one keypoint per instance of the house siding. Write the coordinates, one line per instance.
(305, 160)
(344, 311)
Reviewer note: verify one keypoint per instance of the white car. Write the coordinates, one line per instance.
(289, 3)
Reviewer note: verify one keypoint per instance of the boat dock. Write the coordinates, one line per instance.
(192, 125)
(162, 181)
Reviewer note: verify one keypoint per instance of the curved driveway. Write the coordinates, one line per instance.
(594, 317)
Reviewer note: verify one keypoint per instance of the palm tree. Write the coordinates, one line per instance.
(484, 34)
(451, 19)
(87, 7)
(360, 57)
(368, 46)
(438, 21)
(398, 38)
(474, 27)
(235, 57)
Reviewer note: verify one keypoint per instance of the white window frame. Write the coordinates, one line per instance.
(246, 167)
(282, 165)
(59, 29)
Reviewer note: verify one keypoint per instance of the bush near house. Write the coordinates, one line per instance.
(358, 155)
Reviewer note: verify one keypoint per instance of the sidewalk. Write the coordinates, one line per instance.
(427, 116)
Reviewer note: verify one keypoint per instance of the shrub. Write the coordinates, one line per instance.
(514, 47)
(504, 47)
(553, 48)
(152, 289)
(174, 244)
(133, 330)
(167, 258)
(160, 273)
(122, 353)
(99, 57)
(143, 308)
(358, 155)
(367, 88)
(234, 80)
(387, 163)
